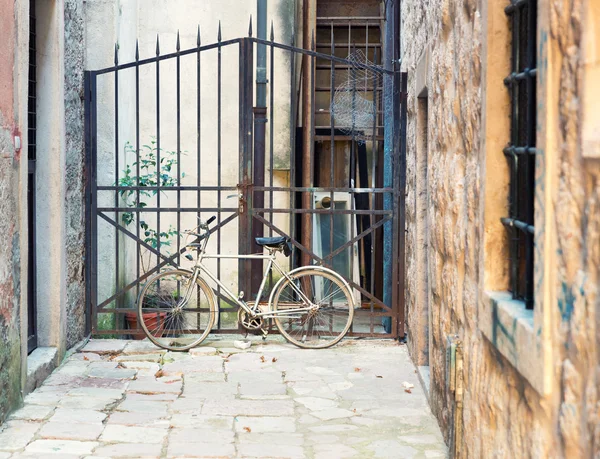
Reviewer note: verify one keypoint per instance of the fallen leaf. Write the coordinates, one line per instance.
(159, 374)
(262, 358)
(85, 357)
(354, 410)
(274, 359)
(247, 429)
(408, 391)
(357, 369)
(377, 376)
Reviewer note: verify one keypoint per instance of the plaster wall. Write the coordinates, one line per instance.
(11, 349)
(59, 310)
(122, 22)
(551, 409)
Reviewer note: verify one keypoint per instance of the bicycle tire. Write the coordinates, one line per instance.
(341, 305)
(161, 313)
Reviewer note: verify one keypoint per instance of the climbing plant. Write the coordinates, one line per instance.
(147, 172)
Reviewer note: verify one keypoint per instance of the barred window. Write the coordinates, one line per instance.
(520, 152)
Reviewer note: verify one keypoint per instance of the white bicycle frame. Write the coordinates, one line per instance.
(254, 311)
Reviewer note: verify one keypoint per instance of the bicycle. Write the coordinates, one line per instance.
(312, 306)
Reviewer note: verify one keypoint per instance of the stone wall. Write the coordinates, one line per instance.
(74, 144)
(577, 230)
(503, 414)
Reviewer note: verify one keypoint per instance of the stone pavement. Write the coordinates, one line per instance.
(120, 398)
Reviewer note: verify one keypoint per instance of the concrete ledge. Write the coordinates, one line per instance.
(40, 363)
(509, 327)
(425, 379)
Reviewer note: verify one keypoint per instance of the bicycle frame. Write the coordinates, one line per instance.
(253, 311)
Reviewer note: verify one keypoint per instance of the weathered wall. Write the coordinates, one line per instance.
(504, 416)
(59, 47)
(122, 22)
(74, 145)
(10, 284)
(576, 225)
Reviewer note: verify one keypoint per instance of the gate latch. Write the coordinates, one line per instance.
(240, 198)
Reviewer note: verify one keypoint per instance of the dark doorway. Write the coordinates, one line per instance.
(31, 156)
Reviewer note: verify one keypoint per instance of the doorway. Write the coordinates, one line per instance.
(32, 340)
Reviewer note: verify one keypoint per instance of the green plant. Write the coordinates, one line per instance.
(147, 172)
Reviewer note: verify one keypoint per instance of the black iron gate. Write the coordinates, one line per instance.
(177, 137)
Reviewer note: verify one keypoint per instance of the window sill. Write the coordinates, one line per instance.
(510, 329)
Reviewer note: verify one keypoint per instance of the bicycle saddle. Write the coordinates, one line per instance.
(270, 241)
(280, 242)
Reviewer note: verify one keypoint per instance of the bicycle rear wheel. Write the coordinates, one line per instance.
(313, 327)
(175, 314)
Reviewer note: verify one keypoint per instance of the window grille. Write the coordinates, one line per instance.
(520, 152)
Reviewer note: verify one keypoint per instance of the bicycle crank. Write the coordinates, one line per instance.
(248, 322)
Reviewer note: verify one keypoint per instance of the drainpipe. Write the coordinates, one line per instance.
(260, 121)
(388, 152)
(309, 8)
(458, 403)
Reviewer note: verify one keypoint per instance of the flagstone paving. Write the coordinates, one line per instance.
(117, 399)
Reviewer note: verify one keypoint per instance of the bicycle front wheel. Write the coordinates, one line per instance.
(174, 313)
(313, 309)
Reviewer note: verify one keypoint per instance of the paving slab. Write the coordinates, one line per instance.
(316, 403)
(133, 434)
(96, 392)
(259, 424)
(205, 377)
(328, 451)
(333, 413)
(279, 438)
(60, 447)
(128, 450)
(130, 399)
(201, 450)
(15, 435)
(200, 435)
(32, 413)
(71, 430)
(151, 386)
(69, 415)
(105, 383)
(112, 373)
(262, 390)
(142, 347)
(143, 406)
(105, 346)
(154, 357)
(142, 419)
(249, 407)
(90, 403)
(205, 364)
(203, 350)
(43, 398)
(152, 397)
(202, 420)
(271, 451)
(215, 390)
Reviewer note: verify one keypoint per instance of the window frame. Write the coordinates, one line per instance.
(521, 150)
